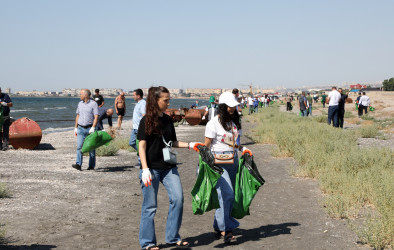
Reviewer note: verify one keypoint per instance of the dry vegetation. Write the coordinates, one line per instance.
(357, 182)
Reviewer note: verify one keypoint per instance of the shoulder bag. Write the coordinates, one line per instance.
(169, 154)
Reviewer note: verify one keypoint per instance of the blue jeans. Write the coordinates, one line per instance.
(310, 110)
(172, 183)
(81, 135)
(304, 112)
(133, 142)
(223, 221)
(333, 115)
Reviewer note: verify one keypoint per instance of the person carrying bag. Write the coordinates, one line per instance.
(221, 132)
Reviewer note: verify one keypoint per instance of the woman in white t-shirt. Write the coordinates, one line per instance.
(221, 133)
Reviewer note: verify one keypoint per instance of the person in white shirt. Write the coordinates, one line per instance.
(333, 101)
(250, 103)
(222, 135)
(363, 104)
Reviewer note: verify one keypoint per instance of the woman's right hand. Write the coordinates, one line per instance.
(146, 177)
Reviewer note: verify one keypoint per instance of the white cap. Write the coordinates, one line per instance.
(229, 99)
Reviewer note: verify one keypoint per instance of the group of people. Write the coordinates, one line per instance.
(305, 104)
(154, 130)
(255, 102)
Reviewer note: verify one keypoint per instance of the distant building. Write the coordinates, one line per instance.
(8, 91)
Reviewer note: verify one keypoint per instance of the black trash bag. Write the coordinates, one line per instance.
(204, 195)
(247, 183)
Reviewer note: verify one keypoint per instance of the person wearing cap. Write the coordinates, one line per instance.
(211, 109)
(6, 104)
(221, 135)
(99, 99)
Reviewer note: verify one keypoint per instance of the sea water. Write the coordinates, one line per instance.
(55, 114)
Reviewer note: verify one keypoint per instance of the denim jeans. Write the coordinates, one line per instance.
(172, 183)
(304, 112)
(133, 142)
(310, 110)
(223, 221)
(333, 115)
(81, 135)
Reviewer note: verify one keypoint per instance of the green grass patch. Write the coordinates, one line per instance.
(349, 115)
(367, 118)
(369, 131)
(351, 177)
(4, 191)
(114, 146)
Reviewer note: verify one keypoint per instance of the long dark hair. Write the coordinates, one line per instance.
(225, 118)
(152, 124)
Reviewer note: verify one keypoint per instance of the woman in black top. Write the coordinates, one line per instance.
(155, 126)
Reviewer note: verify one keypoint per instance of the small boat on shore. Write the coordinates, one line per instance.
(25, 133)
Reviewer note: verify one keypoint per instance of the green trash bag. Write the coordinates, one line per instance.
(247, 183)
(204, 195)
(356, 106)
(371, 108)
(95, 140)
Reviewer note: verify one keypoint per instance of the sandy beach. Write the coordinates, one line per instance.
(56, 206)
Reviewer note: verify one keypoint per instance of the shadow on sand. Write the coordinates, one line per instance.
(243, 235)
(116, 169)
(29, 247)
(44, 146)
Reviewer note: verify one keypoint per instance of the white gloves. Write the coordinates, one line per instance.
(75, 131)
(91, 130)
(4, 104)
(203, 118)
(146, 177)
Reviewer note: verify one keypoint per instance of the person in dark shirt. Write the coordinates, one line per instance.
(99, 99)
(341, 106)
(6, 104)
(155, 129)
(104, 113)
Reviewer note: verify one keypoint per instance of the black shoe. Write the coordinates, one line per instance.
(90, 168)
(77, 167)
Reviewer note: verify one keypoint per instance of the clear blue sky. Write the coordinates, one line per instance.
(51, 45)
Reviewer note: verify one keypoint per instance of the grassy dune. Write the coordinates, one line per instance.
(356, 182)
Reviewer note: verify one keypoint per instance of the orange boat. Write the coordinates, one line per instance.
(175, 114)
(25, 133)
(194, 116)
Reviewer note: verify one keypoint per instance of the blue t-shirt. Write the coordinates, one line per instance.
(5, 98)
(138, 113)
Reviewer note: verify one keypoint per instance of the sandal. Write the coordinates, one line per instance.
(181, 244)
(228, 237)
